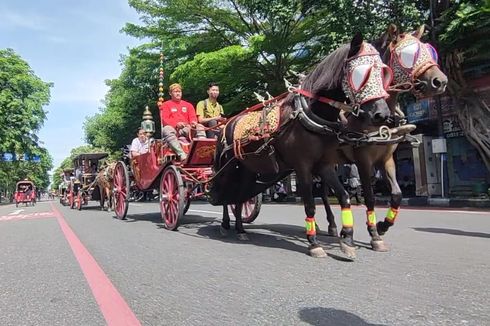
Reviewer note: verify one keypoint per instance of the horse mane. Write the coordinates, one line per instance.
(328, 74)
(325, 80)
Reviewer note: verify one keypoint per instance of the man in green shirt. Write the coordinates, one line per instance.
(209, 111)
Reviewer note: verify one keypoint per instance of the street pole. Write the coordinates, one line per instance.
(438, 105)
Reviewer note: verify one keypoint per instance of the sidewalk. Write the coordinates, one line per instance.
(456, 202)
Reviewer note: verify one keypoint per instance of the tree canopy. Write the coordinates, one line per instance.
(22, 98)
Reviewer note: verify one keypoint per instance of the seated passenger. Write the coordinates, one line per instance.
(140, 144)
(178, 117)
(209, 111)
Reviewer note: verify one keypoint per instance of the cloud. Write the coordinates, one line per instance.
(55, 39)
(86, 90)
(24, 20)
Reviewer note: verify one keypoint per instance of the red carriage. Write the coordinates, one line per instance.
(177, 182)
(25, 192)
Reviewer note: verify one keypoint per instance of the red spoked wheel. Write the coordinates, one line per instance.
(79, 200)
(121, 190)
(172, 197)
(250, 209)
(71, 199)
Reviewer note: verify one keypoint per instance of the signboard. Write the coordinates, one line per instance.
(418, 111)
(10, 157)
(452, 127)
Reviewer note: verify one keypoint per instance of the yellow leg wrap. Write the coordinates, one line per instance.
(371, 218)
(347, 218)
(310, 226)
(391, 215)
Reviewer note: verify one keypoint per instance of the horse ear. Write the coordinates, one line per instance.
(355, 44)
(419, 32)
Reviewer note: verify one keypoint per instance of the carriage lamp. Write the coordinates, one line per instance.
(148, 125)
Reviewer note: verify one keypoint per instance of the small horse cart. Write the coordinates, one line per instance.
(178, 183)
(84, 186)
(25, 192)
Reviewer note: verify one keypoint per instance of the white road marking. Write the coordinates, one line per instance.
(209, 212)
(16, 212)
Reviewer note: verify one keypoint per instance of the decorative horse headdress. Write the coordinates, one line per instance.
(367, 77)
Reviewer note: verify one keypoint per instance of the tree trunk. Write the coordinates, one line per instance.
(473, 114)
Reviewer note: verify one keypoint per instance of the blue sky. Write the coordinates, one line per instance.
(74, 44)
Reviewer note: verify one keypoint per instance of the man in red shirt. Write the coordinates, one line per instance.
(178, 117)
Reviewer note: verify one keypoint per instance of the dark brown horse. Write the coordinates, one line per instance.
(306, 140)
(416, 70)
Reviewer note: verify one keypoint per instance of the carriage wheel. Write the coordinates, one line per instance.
(172, 197)
(121, 190)
(79, 200)
(250, 209)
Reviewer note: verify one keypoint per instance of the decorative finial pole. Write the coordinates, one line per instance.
(160, 81)
(148, 124)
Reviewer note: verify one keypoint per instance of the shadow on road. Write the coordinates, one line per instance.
(320, 316)
(281, 236)
(454, 232)
(156, 218)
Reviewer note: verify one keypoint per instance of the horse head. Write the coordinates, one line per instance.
(365, 82)
(414, 63)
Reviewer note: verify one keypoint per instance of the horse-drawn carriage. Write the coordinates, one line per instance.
(178, 182)
(84, 186)
(25, 192)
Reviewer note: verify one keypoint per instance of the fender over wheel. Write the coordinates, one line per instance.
(172, 197)
(250, 209)
(121, 190)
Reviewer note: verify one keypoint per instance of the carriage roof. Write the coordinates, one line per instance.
(89, 156)
(24, 182)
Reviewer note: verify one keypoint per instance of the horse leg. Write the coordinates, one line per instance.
(109, 198)
(365, 169)
(102, 197)
(305, 185)
(396, 197)
(329, 176)
(332, 226)
(225, 223)
(241, 234)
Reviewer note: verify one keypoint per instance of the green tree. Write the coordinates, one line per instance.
(22, 98)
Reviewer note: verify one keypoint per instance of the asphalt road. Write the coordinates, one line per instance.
(436, 273)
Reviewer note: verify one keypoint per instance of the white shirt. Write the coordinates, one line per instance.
(138, 146)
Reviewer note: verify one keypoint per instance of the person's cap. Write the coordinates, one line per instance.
(174, 87)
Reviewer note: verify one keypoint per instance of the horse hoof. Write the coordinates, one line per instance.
(223, 231)
(317, 252)
(348, 251)
(242, 237)
(332, 232)
(379, 245)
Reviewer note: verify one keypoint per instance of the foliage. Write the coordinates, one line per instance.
(22, 97)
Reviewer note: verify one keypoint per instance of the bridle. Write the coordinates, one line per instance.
(409, 59)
